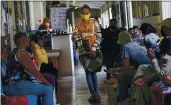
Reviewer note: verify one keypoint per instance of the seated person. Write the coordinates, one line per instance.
(39, 52)
(41, 58)
(162, 87)
(45, 25)
(30, 81)
(147, 71)
(133, 55)
(10, 100)
(4, 54)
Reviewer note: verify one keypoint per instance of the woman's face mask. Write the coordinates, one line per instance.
(85, 17)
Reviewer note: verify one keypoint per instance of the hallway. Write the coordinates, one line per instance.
(74, 90)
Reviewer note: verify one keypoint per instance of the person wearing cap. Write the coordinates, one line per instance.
(133, 55)
(88, 36)
(146, 72)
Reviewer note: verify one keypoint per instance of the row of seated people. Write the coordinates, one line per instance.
(26, 72)
(146, 67)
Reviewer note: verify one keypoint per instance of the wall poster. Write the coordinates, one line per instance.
(58, 18)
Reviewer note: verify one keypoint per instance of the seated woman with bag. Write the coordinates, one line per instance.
(147, 73)
(30, 81)
(160, 88)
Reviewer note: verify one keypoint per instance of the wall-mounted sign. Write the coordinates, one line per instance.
(58, 18)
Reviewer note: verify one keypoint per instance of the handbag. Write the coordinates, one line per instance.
(94, 64)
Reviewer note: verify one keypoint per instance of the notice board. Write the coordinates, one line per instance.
(58, 18)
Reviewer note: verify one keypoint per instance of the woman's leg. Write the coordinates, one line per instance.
(95, 82)
(160, 96)
(89, 81)
(29, 88)
(156, 95)
(90, 86)
(96, 87)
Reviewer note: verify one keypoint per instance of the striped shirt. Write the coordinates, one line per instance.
(98, 37)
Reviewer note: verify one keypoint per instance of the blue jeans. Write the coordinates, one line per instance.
(92, 82)
(22, 87)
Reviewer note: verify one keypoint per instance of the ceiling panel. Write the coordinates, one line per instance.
(92, 4)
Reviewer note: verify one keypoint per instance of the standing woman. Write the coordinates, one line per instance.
(88, 37)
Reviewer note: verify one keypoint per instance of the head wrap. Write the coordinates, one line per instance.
(136, 35)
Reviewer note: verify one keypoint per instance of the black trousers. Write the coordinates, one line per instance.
(109, 60)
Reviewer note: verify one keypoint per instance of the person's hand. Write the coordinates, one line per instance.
(167, 79)
(151, 53)
(6, 99)
(75, 32)
(92, 53)
(140, 82)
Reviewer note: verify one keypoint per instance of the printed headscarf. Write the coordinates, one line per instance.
(136, 35)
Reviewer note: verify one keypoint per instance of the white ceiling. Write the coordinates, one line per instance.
(92, 4)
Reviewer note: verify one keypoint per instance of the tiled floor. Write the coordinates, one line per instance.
(74, 90)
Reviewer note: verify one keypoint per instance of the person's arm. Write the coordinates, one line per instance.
(126, 62)
(98, 34)
(26, 61)
(162, 68)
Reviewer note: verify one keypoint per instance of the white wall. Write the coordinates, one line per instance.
(166, 9)
(130, 17)
(37, 13)
(165, 12)
(31, 10)
(152, 20)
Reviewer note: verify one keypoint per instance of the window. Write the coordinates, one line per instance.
(110, 13)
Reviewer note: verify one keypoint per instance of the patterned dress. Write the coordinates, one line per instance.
(163, 68)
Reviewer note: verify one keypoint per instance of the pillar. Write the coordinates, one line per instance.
(32, 20)
(73, 20)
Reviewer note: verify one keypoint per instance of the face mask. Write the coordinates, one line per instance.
(86, 17)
